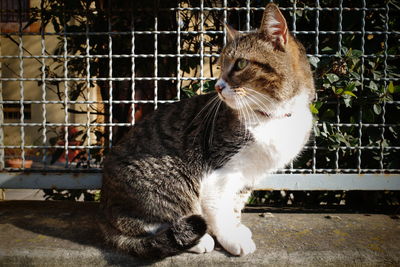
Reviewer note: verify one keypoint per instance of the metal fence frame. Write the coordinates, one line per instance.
(293, 179)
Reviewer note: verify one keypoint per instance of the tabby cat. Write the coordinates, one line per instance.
(180, 177)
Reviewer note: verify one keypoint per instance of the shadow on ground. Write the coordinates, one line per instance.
(51, 233)
(73, 226)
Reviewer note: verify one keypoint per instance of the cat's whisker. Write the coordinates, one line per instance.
(263, 107)
(237, 103)
(251, 111)
(266, 108)
(257, 96)
(254, 99)
(245, 120)
(242, 116)
(241, 111)
(254, 112)
(210, 139)
(205, 121)
(260, 104)
(263, 96)
(247, 116)
(209, 103)
(211, 114)
(269, 100)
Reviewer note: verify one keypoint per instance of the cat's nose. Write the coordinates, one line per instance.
(220, 85)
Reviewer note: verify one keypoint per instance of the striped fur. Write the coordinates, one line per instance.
(183, 173)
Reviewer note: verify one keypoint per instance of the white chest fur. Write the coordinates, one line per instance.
(277, 141)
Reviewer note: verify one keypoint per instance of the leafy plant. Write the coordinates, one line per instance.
(357, 75)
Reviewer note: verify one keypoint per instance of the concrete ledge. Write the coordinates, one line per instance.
(320, 181)
(65, 234)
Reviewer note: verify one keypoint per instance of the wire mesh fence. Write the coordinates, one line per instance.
(76, 75)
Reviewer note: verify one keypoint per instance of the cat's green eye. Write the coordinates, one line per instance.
(241, 63)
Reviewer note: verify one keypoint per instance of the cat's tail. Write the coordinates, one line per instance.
(179, 237)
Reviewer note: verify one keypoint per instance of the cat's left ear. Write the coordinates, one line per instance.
(231, 33)
(274, 26)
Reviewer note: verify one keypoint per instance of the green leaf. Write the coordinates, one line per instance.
(326, 85)
(299, 12)
(390, 87)
(357, 53)
(349, 93)
(349, 52)
(327, 49)
(339, 91)
(350, 87)
(393, 131)
(317, 130)
(384, 143)
(318, 104)
(325, 128)
(209, 86)
(377, 109)
(313, 109)
(371, 63)
(355, 60)
(332, 77)
(376, 74)
(355, 75)
(314, 61)
(188, 92)
(347, 102)
(373, 86)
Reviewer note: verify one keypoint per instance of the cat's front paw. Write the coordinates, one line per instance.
(206, 244)
(238, 241)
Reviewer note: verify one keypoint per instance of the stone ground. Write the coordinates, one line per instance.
(38, 233)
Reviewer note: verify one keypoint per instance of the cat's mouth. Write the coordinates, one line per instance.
(262, 113)
(272, 115)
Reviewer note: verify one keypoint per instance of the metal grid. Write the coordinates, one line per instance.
(204, 54)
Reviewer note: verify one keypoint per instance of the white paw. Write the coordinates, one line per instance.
(238, 241)
(206, 244)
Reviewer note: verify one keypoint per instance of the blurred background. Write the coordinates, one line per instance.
(76, 75)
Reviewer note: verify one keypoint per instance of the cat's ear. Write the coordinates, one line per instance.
(274, 26)
(231, 33)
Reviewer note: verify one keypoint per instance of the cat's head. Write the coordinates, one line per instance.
(265, 68)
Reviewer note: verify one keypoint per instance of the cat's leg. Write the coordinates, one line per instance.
(234, 236)
(240, 201)
(219, 198)
(206, 244)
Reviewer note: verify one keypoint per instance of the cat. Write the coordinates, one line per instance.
(181, 176)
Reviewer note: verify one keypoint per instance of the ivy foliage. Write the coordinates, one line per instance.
(357, 111)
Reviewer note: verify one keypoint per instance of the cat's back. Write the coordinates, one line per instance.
(165, 129)
(167, 139)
